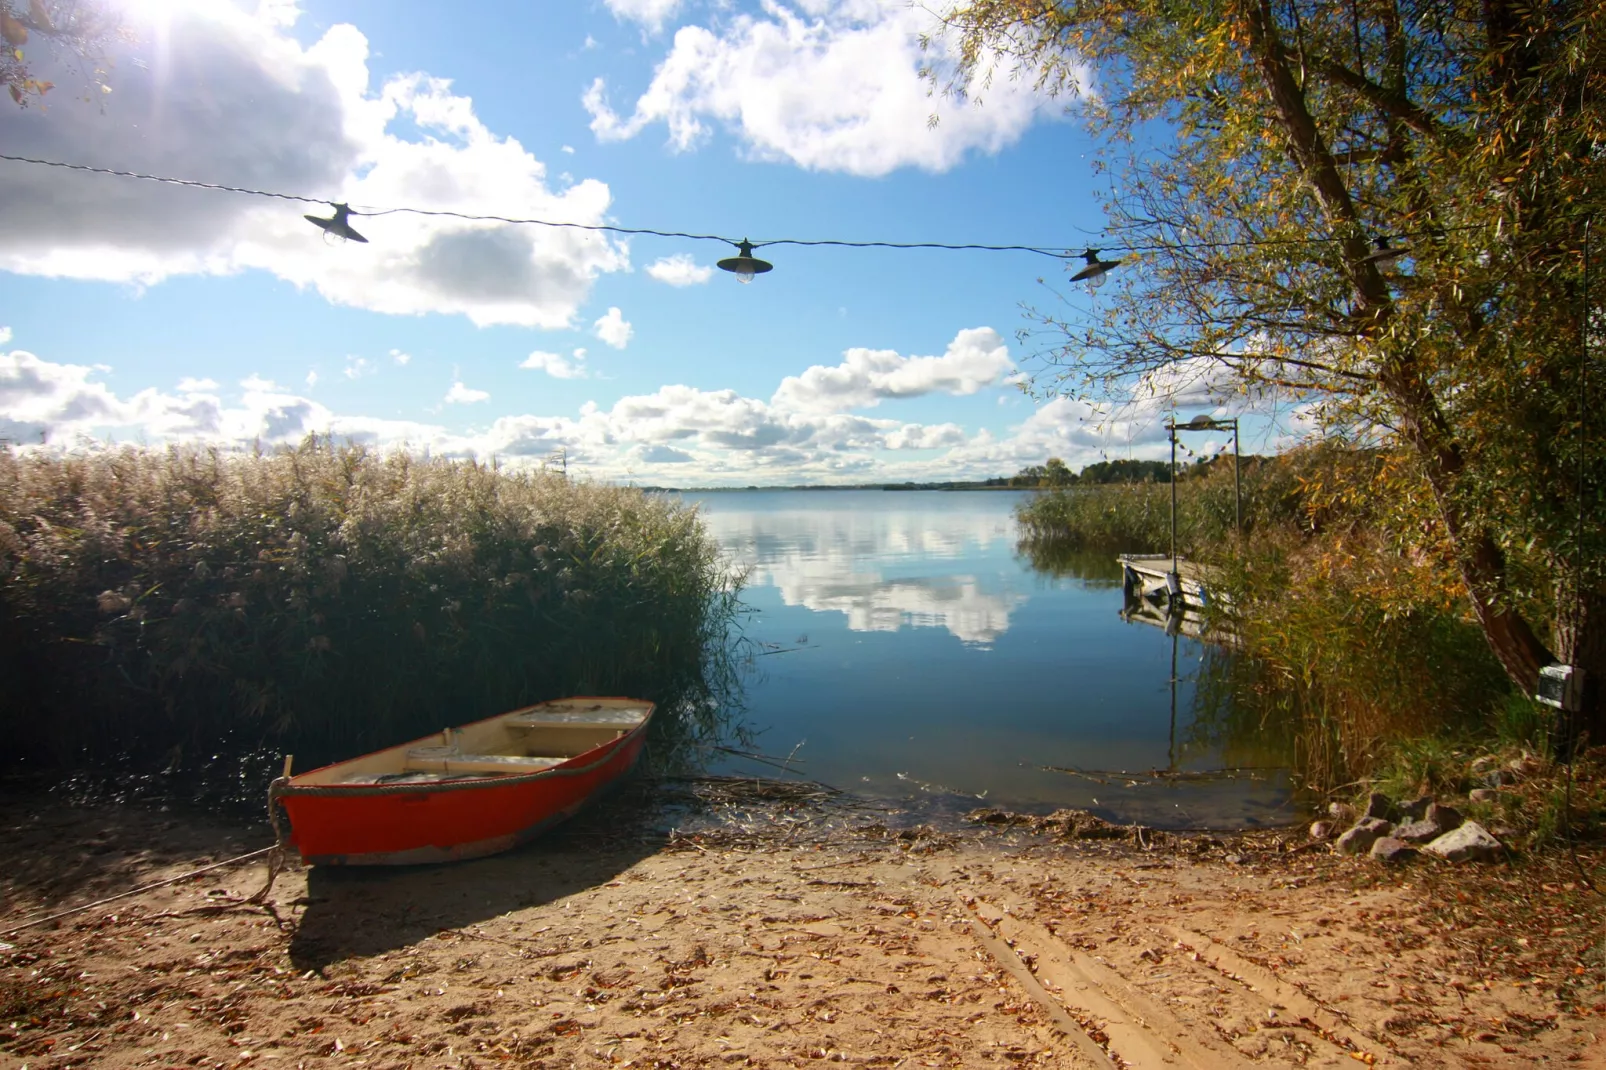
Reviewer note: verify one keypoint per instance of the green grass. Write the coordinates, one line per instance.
(328, 599)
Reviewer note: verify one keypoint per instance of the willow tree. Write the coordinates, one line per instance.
(1268, 160)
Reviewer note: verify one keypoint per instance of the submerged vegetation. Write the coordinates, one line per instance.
(159, 605)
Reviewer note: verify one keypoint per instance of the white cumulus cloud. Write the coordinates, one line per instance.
(925, 436)
(236, 99)
(614, 329)
(976, 358)
(676, 434)
(651, 14)
(828, 85)
(465, 395)
(557, 365)
(679, 270)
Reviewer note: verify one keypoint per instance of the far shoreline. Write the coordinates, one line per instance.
(849, 486)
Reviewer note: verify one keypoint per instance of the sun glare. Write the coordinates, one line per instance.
(161, 12)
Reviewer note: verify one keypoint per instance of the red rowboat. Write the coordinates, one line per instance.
(470, 791)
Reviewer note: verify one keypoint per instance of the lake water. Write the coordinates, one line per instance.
(901, 646)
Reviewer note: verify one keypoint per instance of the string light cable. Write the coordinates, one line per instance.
(744, 265)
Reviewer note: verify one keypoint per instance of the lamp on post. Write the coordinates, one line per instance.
(1208, 423)
(1205, 423)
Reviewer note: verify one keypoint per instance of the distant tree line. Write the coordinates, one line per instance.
(1054, 472)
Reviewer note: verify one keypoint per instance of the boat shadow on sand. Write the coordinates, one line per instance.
(359, 911)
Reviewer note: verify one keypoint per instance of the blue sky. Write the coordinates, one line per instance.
(132, 311)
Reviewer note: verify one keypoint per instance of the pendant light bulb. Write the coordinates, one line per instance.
(339, 224)
(744, 265)
(1385, 253)
(1093, 274)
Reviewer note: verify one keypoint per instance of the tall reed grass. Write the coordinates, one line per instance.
(1356, 669)
(1136, 517)
(1354, 641)
(329, 599)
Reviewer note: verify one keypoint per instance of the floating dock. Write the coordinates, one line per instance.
(1169, 593)
(1167, 580)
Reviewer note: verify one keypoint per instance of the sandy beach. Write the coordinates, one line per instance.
(786, 932)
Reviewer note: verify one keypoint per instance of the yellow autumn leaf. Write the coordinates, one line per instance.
(12, 30)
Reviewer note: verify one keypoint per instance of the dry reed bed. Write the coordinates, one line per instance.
(329, 597)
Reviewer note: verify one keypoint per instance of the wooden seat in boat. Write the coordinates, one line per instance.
(450, 760)
(575, 716)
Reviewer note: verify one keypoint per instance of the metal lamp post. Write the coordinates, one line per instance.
(1206, 423)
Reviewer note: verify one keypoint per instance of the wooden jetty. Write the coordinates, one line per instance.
(1168, 590)
(1150, 577)
(1174, 601)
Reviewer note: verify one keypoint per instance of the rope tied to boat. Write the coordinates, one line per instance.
(276, 853)
(237, 859)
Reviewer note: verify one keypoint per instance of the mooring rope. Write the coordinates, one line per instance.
(146, 888)
(276, 852)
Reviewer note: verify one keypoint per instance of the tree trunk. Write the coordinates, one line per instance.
(1581, 641)
(1422, 423)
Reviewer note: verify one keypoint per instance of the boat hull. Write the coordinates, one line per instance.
(449, 820)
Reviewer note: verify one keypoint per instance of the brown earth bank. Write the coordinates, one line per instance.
(784, 928)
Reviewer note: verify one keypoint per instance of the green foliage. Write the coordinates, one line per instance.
(1523, 724)
(1107, 512)
(1356, 642)
(1259, 150)
(1364, 644)
(1411, 767)
(1129, 517)
(1095, 567)
(331, 600)
(1124, 470)
(1051, 473)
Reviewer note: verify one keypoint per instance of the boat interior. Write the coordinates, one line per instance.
(527, 740)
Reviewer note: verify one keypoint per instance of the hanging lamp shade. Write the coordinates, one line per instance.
(1386, 253)
(1096, 269)
(744, 264)
(339, 224)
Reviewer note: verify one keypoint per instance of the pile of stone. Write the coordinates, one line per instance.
(1396, 832)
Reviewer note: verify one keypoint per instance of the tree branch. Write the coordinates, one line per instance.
(1395, 105)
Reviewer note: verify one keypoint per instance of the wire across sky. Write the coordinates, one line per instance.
(1056, 253)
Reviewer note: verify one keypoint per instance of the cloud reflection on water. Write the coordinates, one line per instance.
(848, 561)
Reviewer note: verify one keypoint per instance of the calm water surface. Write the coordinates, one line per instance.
(903, 647)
